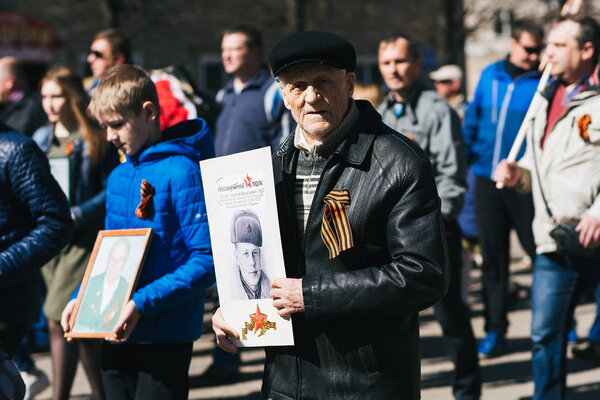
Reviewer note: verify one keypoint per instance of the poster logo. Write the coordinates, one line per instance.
(259, 321)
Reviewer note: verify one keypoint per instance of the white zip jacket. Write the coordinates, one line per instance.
(569, 166)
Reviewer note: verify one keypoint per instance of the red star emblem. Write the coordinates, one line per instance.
(248, 181)
(259, 319)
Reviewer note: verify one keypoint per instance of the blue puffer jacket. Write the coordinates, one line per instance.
(179, 264)
(35, 224)
(494, 117)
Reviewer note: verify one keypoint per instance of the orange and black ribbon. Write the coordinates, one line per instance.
(69, 148)
(583, 123)
(143, 208)
(335, 229)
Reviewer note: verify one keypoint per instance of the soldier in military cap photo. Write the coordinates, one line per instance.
(248, 280)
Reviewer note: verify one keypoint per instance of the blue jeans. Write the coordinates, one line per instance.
(594, 335)
(557, 285)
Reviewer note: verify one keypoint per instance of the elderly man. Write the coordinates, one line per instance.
(448, 83)
(426, 118)
(362, 237)
(105, 293)
(560, 167)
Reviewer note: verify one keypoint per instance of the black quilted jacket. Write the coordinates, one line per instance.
(359, 335)
(35, 223)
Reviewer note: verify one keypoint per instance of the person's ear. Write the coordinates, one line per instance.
(285, 96)
(149, 110)
(350, 82)
(587, 51)
(119, 59)
(9, 83)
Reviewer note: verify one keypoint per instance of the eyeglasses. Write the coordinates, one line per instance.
(444, 81)
(96, 54)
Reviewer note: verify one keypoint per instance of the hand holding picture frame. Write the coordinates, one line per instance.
(109, 281)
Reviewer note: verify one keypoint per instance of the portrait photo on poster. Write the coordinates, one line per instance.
(109, 280)
(249, 279)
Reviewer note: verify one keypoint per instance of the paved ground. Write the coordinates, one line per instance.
(505, 378)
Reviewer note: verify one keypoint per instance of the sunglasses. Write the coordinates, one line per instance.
(444, 81)
(532, 50)
(96, 54)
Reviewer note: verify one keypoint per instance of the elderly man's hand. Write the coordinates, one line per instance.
(507, 173)
(589, 231)
(224, 331)
(287, 296)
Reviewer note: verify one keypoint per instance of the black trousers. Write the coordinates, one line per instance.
(496, 212)
(146, 371)
(454, 317)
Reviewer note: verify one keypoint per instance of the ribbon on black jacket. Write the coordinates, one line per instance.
(335, 229)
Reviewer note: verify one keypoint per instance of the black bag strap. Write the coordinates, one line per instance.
(537, 174)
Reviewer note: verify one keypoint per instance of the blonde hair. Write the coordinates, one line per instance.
(372, 93)
(123, 88)
(77, 101)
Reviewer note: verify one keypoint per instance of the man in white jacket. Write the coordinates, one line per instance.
(561, 167)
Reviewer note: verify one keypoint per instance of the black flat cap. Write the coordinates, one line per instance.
(312, 46)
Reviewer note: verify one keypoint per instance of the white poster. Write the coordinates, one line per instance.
(60, 170)
(244, 231)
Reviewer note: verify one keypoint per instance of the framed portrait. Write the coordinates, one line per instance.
(246, 243)
(109, 281)
(60, 168)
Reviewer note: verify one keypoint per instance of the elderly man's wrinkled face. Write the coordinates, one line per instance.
(317, 95)
(247, 256)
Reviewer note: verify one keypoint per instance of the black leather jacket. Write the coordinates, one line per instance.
(35, 224)
(359, 335)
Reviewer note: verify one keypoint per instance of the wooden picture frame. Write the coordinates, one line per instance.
(109, 281)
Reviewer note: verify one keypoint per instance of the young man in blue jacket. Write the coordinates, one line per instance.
(492, 121)
(150, 356)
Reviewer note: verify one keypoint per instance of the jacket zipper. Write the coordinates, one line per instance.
(500, 126)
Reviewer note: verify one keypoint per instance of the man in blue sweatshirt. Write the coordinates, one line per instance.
(492, 121)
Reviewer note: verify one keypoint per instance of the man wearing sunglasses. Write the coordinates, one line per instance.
(110, 47)
(492, 120)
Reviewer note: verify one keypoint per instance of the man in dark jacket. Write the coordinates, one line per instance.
(35, 224)
(422, 115)
(20, 108)
(362, 237)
